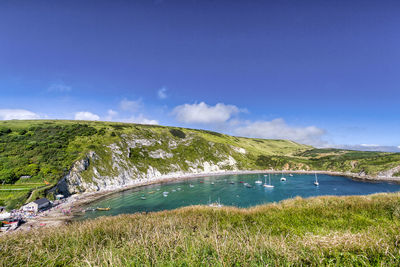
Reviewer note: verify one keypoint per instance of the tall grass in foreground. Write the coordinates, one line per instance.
(354, 230)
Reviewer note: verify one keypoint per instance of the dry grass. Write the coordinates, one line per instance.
(319, 231)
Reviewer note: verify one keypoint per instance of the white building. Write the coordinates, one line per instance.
(37, 205)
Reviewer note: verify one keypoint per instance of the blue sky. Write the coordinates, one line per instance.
(325, 73)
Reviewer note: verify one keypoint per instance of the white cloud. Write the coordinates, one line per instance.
(369, 145)
(398, 147)
(205, 114)
(130, 105)
(17, 114)
(86, 116)
(162, 93)
(278, 129)
(111, 115)
(141, 120)
(59, 87)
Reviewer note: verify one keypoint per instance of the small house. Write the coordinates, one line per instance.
(4, 215)
(37, 205)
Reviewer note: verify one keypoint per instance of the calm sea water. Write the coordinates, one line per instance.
(220, 188)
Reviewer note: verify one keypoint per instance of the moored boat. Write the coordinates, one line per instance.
(103, 209)
(269, 185)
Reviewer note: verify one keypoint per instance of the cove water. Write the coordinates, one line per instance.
(229, 190)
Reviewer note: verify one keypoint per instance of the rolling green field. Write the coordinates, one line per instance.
(322, 231)
(13, 194)
(46, 150)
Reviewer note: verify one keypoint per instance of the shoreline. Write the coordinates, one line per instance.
(56, 217)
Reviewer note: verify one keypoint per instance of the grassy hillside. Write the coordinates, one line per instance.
(45, 151)
(335, 231)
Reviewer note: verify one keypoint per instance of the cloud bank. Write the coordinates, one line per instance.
(141, 120)
(111, 115)
(130, 105)
(204, 114)
(369, 147)
(17, 114)
(278, 129)
(86, 116)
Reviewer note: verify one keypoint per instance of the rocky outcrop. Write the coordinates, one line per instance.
(115, 168)
(389, 173)
(72, 182)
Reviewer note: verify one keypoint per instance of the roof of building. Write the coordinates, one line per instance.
(41, 201)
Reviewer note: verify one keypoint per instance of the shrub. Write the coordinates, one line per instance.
(177, 133)
(101, 132)
(5, 130)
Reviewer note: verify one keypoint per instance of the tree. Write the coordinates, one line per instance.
(7, 176)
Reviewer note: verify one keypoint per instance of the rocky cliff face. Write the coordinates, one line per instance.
(389, 173)
(148, 154)
(135, 160)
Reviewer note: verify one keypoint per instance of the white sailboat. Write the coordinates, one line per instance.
(316, 183)
(269, 184)
(258, 181)
(283, 178)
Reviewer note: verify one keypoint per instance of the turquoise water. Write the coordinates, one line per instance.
(211, 189)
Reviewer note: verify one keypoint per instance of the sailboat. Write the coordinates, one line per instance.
(247, 185)
(269, 184)
(258, 181)
(316, 183)
(283, 178)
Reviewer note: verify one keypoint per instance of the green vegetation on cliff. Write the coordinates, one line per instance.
(333, 231)
(36, 153)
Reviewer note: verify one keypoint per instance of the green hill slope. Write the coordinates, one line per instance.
(85, 156)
